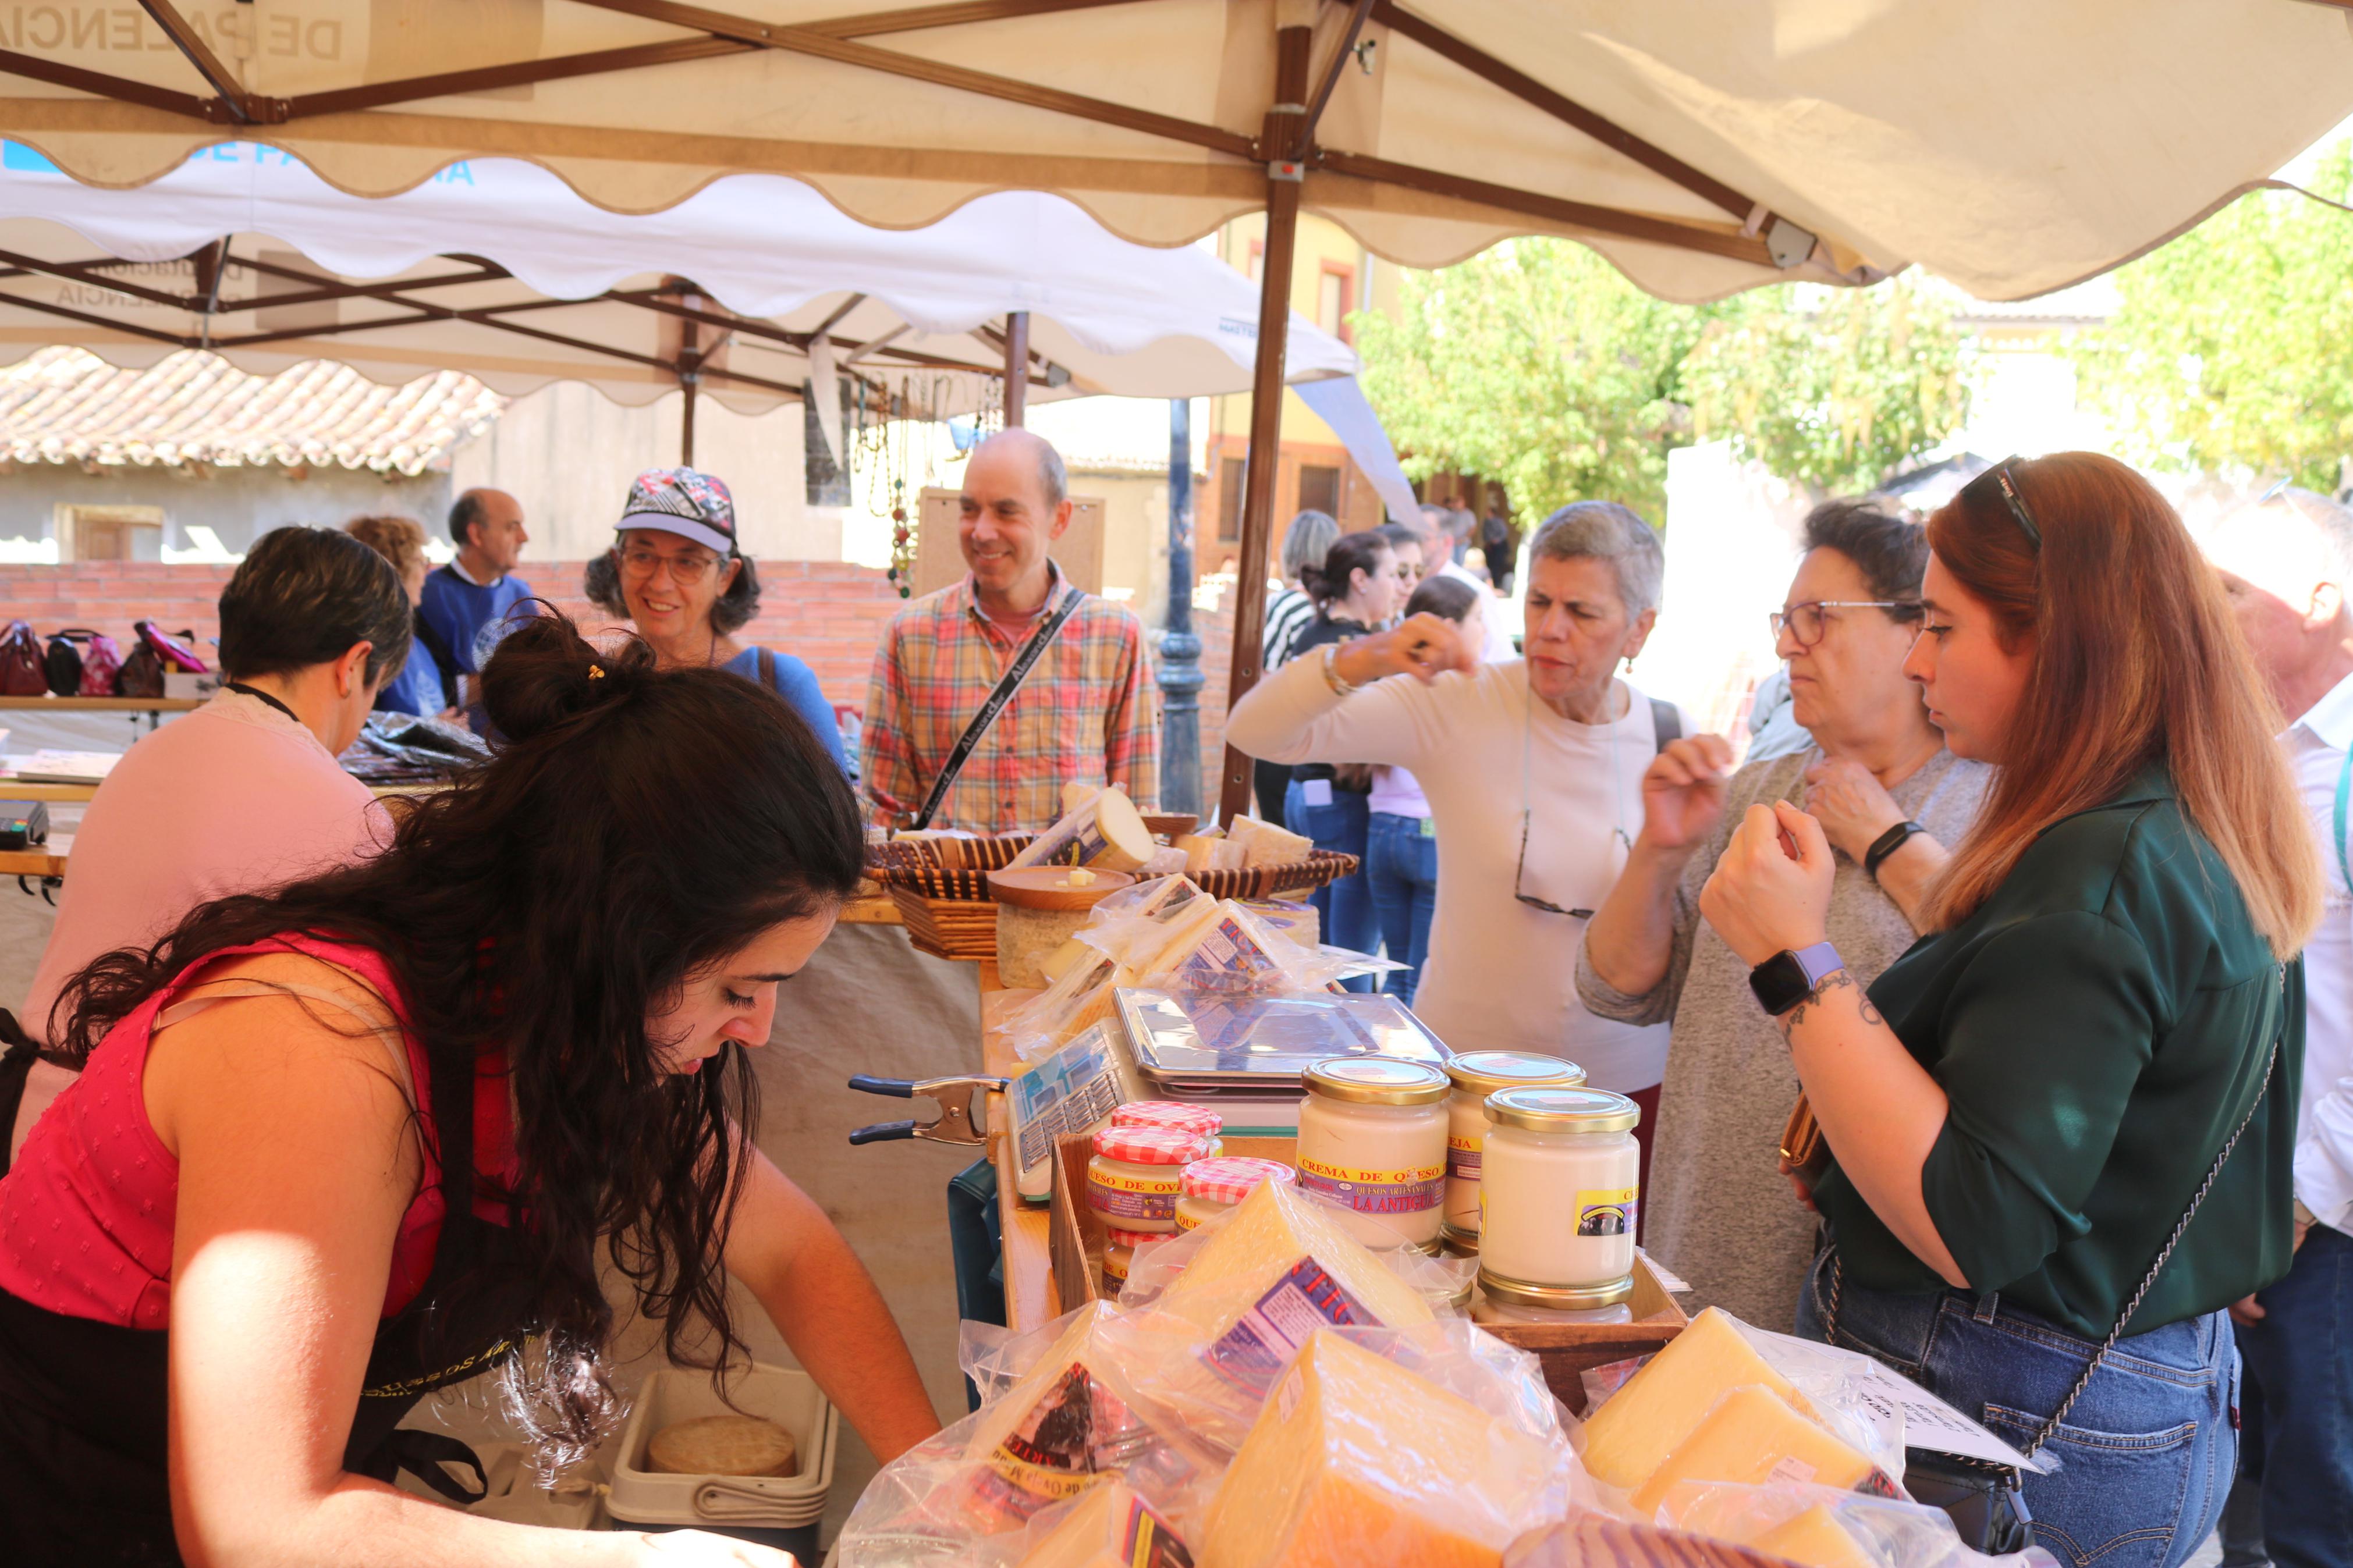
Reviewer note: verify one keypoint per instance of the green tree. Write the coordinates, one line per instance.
(1831, 388)
(1536, 363)
(2230, 349)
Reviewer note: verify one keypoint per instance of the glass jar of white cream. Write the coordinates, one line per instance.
(1509, 1301)
(1475, 1075)
(1133, 1179)
(1372, 1139)
(1558, 1190)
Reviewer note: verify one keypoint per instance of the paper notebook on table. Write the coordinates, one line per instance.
(65, 767)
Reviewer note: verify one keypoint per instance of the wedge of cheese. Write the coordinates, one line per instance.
(1818, 1539)
(1264, 844)
(1110, 1527)
(1273, 1232)
(1068, 1425)
(1226, 948)
(1632, 1434)
(1354, 1462)
(1754, 1435)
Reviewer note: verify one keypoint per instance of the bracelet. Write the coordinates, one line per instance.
(1332, 671)
(1888, 843)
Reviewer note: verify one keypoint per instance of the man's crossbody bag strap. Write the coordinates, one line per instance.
(1015, 674)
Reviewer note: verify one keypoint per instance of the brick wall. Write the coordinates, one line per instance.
(828, 612)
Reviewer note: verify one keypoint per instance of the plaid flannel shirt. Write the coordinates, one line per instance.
(1085, 715)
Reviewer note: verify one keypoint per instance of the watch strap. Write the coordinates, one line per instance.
(1888, 843)
(1820, 961)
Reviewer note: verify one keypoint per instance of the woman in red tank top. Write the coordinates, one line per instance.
(342, 1145)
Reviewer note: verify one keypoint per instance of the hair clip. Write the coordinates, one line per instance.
(595, 672)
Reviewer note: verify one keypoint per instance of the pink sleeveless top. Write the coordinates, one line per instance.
(86, 1210)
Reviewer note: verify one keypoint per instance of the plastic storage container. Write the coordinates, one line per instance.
(1133, 1179)
(755, 1507)
(1372, 1139)
(1476, 1075)
(1560, 1188)
(1209, 1187)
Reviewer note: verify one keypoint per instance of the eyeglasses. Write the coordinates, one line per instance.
(1998, 478)
(1521, 871)
(1804, 622)
(686, 571)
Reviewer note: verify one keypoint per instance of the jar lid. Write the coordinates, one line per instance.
(1487, 1072)
(1377, 1080)
(1167, 1113)
(1458, 1242)
(1151, 1145)
(1554, 1298)
(1545, 1108)
(1131, 1238)
(1230, 1178)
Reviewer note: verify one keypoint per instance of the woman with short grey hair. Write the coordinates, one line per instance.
(1533, 768)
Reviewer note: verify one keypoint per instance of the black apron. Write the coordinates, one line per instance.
(82, 1403)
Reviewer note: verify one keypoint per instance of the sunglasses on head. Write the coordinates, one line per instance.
(1998, 482)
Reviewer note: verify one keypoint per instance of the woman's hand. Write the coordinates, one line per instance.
(1799, 1185)
(1850, 806)
(1683, 792)
(1771, 890)
(1424, 647)
(701, 1549)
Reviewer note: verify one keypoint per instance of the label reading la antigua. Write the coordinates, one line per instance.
(1410, 1189)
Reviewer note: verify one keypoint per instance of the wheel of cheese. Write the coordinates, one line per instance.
(723, 1445)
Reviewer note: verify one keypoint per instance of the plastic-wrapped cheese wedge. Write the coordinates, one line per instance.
(1816, 1539)
(1110, 1527)
(1754, 1435)
(1264, 844)
(1070, 1424)
(1271, 1234)
(1632, 1435)
(1354, 1462)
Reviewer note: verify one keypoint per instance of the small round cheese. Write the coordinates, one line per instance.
(723, 1445)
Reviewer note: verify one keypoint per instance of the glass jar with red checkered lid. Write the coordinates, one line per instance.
(1133, 1181)
(1212, 1186)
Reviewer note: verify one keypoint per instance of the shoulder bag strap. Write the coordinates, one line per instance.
(439, 647)
(1015, 674)
(1666, 724)
(2344, 785)
(766, 663)
(2149, 1280)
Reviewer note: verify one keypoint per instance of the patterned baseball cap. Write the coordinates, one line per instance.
(685, 501)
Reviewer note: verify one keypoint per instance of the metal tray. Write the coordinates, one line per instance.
(1196, 1042)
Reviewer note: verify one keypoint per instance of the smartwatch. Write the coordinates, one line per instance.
(1788, 978)
(1886, 844)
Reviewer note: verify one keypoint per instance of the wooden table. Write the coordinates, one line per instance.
(42, 861)
(1030, 1298)
(153, 707)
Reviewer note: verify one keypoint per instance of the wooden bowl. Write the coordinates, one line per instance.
(1169, 825)
(1048, 888)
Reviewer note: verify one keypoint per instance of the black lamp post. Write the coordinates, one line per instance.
(1180, 650)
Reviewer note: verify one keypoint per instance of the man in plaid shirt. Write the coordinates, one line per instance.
(1084, 716)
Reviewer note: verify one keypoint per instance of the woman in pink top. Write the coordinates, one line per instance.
(243, 792)
(342, 1143)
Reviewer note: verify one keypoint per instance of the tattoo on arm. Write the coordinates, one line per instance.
(1838, 980)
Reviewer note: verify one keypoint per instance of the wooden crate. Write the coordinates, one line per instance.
(1565, 1351)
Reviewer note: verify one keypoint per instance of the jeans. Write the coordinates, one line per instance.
(2145, 1455)
(1345, 907)
(1401, 861)
(2295, 1452)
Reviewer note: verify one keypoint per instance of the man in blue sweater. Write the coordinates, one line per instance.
(466, 603)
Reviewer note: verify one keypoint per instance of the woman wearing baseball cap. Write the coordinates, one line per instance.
(676, 572)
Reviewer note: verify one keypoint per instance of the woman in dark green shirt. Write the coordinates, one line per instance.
(2102, 1032)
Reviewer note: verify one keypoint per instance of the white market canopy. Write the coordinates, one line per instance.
(495, 268)
(2012, 146)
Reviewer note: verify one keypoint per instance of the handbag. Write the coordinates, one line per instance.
(178, 656)
(22, 671)
(1987, 1503)
(100, 662)
(158, 652)
(63, 662)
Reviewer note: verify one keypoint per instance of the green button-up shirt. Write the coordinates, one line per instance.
(2099, 1026)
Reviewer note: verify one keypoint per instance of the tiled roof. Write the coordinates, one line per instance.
(68, 405)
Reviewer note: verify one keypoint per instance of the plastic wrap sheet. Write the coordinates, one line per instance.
(1828, 1528)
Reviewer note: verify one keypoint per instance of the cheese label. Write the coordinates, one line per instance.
(1792, 1468)
(1145, 1541)
(1225, 959)
(1464, 1158)
(1412, 1189)
(1067, 1443)
(1115, 1196)
(1249, 1355)
(1608, 1211)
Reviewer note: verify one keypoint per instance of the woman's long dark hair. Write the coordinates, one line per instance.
(638, 826)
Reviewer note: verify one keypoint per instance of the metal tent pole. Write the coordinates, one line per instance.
(1017, 368)
(1180, 651)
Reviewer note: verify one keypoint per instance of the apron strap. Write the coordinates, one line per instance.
(16, 1066)
(423, 1454)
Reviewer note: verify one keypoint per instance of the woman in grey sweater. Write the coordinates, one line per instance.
(1890, 796)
